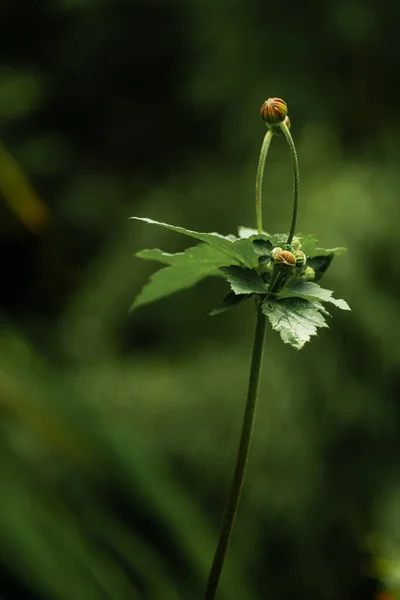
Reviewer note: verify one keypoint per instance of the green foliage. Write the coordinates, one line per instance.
(311, 291)
(244, 281)
(186, 269)
(297, 312)
(240, 250)
(318, 265)
(295, 319)
(307, 242)
(68, 290)
(310, 245)
(277, 286)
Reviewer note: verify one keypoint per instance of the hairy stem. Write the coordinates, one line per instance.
(259, 178)
(242, 458)
(296, 177)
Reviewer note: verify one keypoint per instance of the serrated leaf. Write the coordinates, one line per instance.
(311, 291)
(338, 251)
(167, 281)
(158, 255)
(231, 300)
(202, 253)
(296, 319)
(185, 270)
(319, 264)
(246, 232)
(244, 281)
(262, 247)
(276, 239)
(309, 245)
(239, 249)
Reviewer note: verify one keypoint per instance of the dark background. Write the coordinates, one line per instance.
(118, 431)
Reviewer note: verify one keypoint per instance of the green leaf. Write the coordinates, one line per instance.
(239, 249)
(246, 232)
(231, 300)
(276, 239)
(319, 264)
(158, 255)
(167, 281)
(296, 319)
(204, 254)
(309, 245)
(309, 242)
(311, 291)
(185, 270)
(244, 281)
(262, 247)
(338, 251)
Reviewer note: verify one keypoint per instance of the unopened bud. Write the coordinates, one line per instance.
(300, 258)
(296, 245)
(309, 274)
(274, 111)
(285, 258)
(275, 251)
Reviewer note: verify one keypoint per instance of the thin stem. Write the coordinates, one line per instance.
(296, 176)
(242, 458)
(259, 177)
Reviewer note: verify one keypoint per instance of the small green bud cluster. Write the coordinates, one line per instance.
(282, 265)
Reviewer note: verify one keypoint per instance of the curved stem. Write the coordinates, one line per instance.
(296, 176)
(259, 177)
(242, 458)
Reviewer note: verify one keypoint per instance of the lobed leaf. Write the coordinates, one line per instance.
(202, 254)
(168, 281)
(185, 270)
(244, 281)
(239, 249)
(309, 245)
(276, 239)
(319, 264)
(311, 291)
(296, 319)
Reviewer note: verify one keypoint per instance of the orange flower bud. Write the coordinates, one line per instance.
(285, 258)
(274, 111)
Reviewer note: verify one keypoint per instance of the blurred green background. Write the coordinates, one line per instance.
(118, 431)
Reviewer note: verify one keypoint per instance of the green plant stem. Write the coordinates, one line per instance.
(260, 176)
(242, 457)
(296, 177)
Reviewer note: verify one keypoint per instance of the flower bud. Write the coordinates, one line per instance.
(309, 274)
(285, 258)
(300, 258)
(276, 251)
(296, 245)
(274, 111)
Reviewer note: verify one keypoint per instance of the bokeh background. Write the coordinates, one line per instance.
(118, 430)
